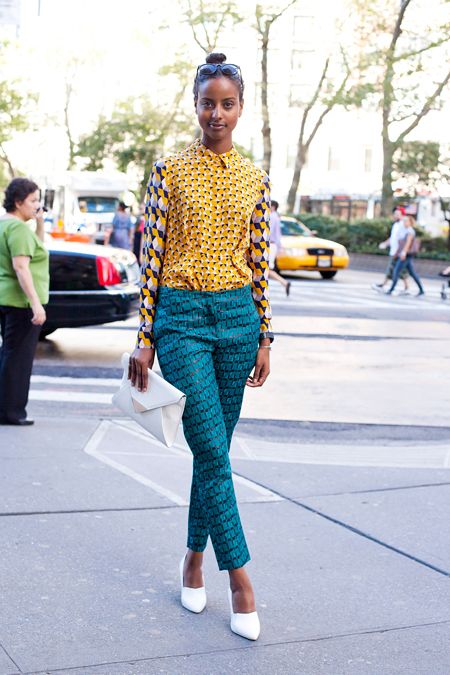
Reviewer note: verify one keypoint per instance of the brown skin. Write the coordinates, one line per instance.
(218, 109)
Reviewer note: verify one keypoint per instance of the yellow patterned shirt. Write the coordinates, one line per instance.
(207, 229)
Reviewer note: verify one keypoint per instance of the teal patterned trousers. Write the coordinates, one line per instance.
(206, 345)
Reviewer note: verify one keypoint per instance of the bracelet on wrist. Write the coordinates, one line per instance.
(265, 347)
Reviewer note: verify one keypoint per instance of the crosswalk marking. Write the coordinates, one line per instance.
(76, 381)
(149, 466)
(315, 295)
(69, 396)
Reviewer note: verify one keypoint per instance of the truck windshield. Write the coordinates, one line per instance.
(97, 204)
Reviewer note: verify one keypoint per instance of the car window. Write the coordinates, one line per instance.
(294, 228)
(98, 204)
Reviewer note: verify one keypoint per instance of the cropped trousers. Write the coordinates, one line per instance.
(206, 344)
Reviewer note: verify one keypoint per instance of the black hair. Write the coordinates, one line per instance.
(17, 191)
(273, 202)
(217, 57)
(122, 206)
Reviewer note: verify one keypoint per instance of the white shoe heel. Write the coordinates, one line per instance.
(245, 625)
(193, 599)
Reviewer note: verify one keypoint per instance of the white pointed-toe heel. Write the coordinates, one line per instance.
(245, 625)
(193, 599)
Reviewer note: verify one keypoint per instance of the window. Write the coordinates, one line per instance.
(333, 160)
(98, 204)
(303, 33)
(368, 154)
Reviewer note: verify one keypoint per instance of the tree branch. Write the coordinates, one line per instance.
(271, 19)
(190, 16)
(313, 101)
(221, 23)
(425, 109)
(398, 26)
(328, 109)
(417, 52)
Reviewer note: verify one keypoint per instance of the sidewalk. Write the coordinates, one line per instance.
(351, 557)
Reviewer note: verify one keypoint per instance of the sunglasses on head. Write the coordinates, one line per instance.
(227, 69)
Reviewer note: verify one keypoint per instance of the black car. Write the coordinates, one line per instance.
(90, 285)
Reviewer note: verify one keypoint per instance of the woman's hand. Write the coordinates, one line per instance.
(39, 315)
(140, 361)
(262, 368)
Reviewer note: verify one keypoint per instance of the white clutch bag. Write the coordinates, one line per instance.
(159, 409)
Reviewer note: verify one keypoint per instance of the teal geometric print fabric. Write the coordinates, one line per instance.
(206, 344)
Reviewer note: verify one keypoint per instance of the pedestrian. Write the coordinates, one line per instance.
(205, 306)
(138, 233)
(24, 286)
(121, 232)
(409, 248)
(275, 245)
(396, 235)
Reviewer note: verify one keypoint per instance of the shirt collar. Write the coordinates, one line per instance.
(226, 158)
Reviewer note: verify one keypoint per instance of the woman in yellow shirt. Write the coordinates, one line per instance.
(205, 307)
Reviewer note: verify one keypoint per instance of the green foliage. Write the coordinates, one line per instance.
(12, 111)
(15, 108)
(133, 137)
(244, 152)
(363, 236)
(418, 162)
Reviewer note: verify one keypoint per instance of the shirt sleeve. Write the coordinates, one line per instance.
(21, 240)
(156, 210)
(259, 254)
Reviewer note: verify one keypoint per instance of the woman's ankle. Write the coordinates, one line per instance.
(194, 559)
(192, 571)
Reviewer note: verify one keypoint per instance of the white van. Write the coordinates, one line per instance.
(83, 201)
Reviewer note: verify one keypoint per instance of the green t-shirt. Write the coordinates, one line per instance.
(16, 238)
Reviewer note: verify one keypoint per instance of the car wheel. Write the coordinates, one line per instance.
(328, 274)
(44, 332)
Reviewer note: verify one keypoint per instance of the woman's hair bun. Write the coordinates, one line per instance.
(216, 57)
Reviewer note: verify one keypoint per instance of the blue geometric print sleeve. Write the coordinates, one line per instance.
(259, 253)
(156, 209)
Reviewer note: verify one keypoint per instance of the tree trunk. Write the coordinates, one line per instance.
(266, 134)
(299, 163)
(71, 143)
(4, 157)
(387, 195)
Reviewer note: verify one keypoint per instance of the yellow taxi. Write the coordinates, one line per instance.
(301, 250)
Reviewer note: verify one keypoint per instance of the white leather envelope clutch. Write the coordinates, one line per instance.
(159, 409)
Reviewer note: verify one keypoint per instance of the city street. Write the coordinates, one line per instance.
(342, 470)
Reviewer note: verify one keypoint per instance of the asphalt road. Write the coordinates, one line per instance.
(344, 355)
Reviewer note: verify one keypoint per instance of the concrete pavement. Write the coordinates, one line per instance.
(351, 563)
(342, 473)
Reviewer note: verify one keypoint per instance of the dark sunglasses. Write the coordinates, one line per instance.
(227, 69)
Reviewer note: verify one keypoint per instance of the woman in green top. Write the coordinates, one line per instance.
(24, 285)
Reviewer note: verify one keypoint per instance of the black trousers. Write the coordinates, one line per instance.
(19, 340)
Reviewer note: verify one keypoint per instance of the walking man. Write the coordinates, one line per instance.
(398, 233)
